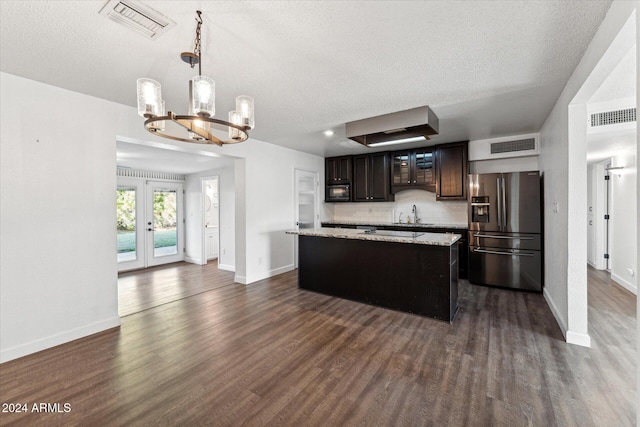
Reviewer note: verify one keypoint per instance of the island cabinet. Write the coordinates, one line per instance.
(401, 275)
(463, 243)
(338, 169)
(451, 171)
(371, 178)
(414, 169)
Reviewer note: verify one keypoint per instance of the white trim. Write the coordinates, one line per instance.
(193, 260)
(264, 275)
(57, 339)
(226, 267)
(621, 282)
(578, 338)
(555, 312)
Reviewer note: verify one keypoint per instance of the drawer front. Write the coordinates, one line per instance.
(509, 268)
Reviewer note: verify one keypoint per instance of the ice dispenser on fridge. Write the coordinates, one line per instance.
(480, 209)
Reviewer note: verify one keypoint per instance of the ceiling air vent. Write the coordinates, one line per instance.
(511, 146)
(613, 117)
(138, 17)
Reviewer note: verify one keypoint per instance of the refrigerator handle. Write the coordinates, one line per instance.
(499, 213)
(504, 204)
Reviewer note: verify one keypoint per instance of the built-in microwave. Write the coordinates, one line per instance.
(338, 193)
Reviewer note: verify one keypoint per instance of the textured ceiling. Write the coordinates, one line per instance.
(487, 68)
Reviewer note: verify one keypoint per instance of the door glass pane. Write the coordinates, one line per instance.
(126, 223)
(424, 167)
(165, 222)
(306, 201)
(401, 168)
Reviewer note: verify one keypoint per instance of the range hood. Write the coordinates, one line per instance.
(394, 128)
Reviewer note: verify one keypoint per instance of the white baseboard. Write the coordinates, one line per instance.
(556, 313)
(620, 281)
(57, 339)
(226, 267)
(270, 273)
(263, 275)
(578, 338)
(194, 260)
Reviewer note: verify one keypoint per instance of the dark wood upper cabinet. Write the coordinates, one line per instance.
(371, 178)
(338, 169)
(413, 169)
(451, 171)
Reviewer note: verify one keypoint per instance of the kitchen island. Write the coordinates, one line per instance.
(407, 271)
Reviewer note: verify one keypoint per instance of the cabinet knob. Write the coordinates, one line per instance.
(414, 181)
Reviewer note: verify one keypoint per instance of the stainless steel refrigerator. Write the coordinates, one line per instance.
(505, 230)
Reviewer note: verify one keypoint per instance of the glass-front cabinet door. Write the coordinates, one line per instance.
(424, 171)
(401, 168)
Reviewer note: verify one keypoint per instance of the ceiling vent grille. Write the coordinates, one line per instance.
(613, 117)
(511, 146)
(138, 17)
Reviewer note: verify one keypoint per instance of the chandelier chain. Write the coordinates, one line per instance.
(197, 45)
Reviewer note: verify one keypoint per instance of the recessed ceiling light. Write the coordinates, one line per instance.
(328, 132)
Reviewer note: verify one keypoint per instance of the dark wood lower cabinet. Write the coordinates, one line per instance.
(463, 244)
(419, 279)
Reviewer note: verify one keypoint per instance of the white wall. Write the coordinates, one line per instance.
(515, 164)
(429, 210)
(194, 212)
(58, 270)
(563, 163)
(624, 222)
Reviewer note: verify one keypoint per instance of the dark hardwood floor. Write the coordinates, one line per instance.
(271, 354)
(142, 289)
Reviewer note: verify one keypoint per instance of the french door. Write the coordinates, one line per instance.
(150, 223)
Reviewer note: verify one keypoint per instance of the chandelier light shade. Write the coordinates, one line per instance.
(204, 96)
(234, 117)
(149, 97)
(198, 126)
(244, 106)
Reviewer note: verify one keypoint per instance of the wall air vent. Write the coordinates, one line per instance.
(613, 117)
(511, 146)
(138, 17)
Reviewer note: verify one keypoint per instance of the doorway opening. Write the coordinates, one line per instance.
(211, 217)
(149, 222)
(305, 203)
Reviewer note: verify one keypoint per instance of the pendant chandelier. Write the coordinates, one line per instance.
(198, 126)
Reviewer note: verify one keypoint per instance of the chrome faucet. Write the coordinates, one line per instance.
(400, 217)
(414, 211)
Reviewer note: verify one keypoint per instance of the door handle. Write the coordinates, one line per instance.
(503, 237)
(483, 251)
(504, 203)
(499, 213)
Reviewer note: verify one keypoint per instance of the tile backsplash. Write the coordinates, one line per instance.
(429, 210)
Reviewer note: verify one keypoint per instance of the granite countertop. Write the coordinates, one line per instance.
(397, 224)
(433, 239)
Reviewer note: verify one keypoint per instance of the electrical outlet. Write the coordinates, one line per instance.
(556, 207)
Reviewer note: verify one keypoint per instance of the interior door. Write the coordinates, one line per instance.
(306, 203)
(164, 223)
